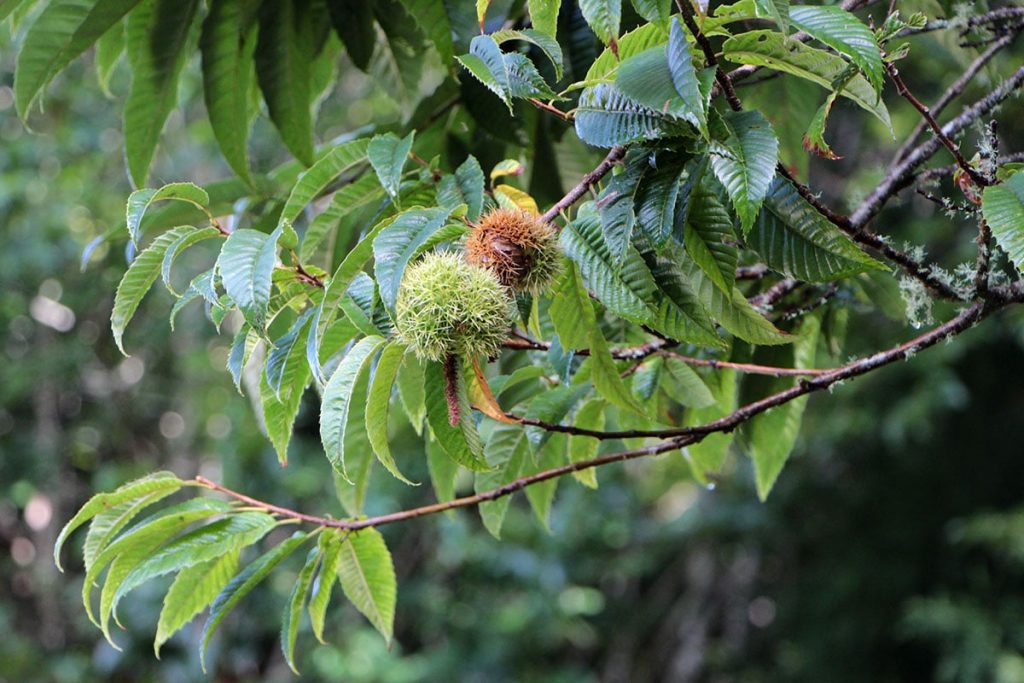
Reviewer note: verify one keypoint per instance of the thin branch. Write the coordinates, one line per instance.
(614, 156)
(721, 76)
(544, 106)
(675, 439)
(954, 149)
(952, 92)
(902, 175)
(747, 368)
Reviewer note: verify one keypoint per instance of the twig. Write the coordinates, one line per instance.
(565, 116)
(613, 157)
(954, 149)
(747, 368)
(675, 438)
(721, 76)
(901, 175)
(952, 92)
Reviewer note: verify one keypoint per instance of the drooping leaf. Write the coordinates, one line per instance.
(684, 385)
(706, 230)
(605, 375)
(544, 15)
(377, 404)
(583, 448)
(656, 199)
(623, 290)
(353, 22)
(367, 576)
(158, 482)
(157, 34)
(432, 18)
(543, 40)
(617, 204)
(106, 525)
(571, 312)
(680, 313)
(227, 44)
(205, 543)
(388, 154)
(109, 50)
(461, 442)
(653, 10)
(346, 201)
(773, 434)
(61, 32)
(338, 397)
(778, 10)
(193, 589)
(1003, 208)
(794, 239)
(743, 154)
(293, 609)
(330, 552)
(486, 63)
(242, 584)
(137, 280)
(774, 51)
(603, 16)
(552, 407)
(283, 69)
(506, 450)
(524, 80)
(183, 243)
(735, 314)
(246, 264)
(141, 200)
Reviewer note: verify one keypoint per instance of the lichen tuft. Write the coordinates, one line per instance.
(518, 247)
(448, 306)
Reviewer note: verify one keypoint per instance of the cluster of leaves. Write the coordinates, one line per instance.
(200, 541)
(696, 195)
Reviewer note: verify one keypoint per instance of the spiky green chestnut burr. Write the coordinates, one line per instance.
(518, 247)
(447, 306)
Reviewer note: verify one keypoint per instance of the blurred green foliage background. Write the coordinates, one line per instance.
(891, 550)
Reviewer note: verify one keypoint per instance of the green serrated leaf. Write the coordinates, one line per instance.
(338, 398)
(377, 404)
(486, 63)
(61, 32)
(193, 589)
(397, 244)
(156, 39)
(330, 551)
(845, 33)
(506, 450)
(140, 200)
(544, 16)
(774, 51)
(794, 239)
(367, 576)
(541, 38)
(583, 448)
(605, 117)
(1003, 208)
(388, 155)
(603, 16)
(227, 45)
(293, 609)
(743, 154)
(773, 434)
(432, 18)
(706, 230)
(284, 63)
(623, 290)
(571, 312)
(242, 584)
(461, 442)
(316, 178)
(139, 489)
(183, 243)
(140, 276)
(246, 265)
